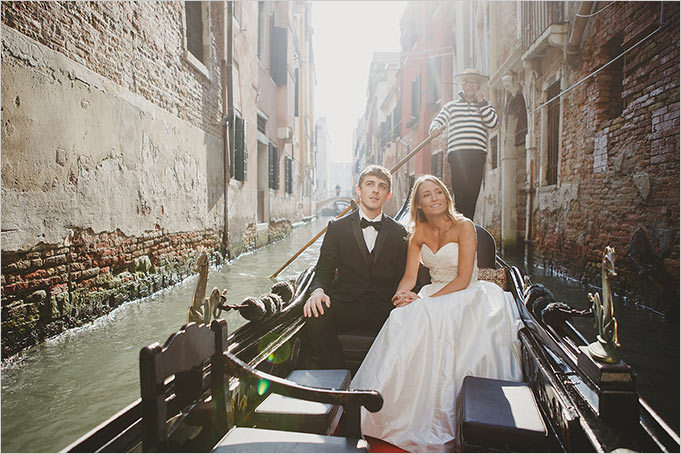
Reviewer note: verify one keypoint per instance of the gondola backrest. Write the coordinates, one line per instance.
(487, 248)
(172, 380)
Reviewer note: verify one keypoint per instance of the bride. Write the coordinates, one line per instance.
(455, 326)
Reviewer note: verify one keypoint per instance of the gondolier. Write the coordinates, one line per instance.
(468, 118)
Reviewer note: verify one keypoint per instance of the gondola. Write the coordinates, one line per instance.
(206, 390)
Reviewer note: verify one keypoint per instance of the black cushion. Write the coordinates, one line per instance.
(501, 415)
(356, 343)
(245, 439)
(288, 413)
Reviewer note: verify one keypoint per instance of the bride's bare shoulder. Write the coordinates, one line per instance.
(462, 223)
(417, 235)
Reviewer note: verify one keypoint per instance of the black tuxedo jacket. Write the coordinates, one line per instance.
(359, 272)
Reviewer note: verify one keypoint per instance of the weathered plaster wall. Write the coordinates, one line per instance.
(80, 152)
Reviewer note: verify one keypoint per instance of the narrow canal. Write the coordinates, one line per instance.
(55, 392)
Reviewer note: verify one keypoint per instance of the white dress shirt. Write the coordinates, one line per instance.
(370, 233)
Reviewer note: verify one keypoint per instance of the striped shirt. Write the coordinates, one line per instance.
(468, 124)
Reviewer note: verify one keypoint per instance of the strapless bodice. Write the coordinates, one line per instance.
(443, 264)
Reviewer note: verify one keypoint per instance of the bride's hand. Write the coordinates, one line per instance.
(404, 297)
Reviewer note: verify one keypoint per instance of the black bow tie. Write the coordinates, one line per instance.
(375, 224)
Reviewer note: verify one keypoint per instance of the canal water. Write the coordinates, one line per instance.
(55, 392)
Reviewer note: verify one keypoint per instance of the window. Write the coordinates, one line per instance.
(436, 164)
(273, 161)
(296, 94)
(434, 79)
(289, 175)
(240, 161)
(468, 37)
(552, 134)
(397, 114)
(197, 32)
(261, 29)
(415, 101)
(518, 109)
(494, 151)
(236, 11)
(278, 52)
(262, 124)
(611, 79)
(385, 132)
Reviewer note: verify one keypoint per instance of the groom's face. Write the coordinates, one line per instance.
(373, 192)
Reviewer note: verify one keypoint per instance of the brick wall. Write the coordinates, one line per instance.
(626, 166)
(50, 288)
(137, 45)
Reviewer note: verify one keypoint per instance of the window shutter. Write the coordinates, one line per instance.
(416, 97)
(289, 175)
(434, 79)
(270, 153)
(238, 148)
(297, 92)
(244, 146)
(397, 117)
(278, 51)
(277, 170)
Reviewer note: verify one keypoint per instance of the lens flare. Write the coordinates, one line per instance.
(263, 385)
(281, 355)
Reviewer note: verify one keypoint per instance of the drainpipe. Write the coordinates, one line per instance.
(227, 114)
(575, 41)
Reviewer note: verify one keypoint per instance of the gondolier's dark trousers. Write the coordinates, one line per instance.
(367, 313)
(467, 167)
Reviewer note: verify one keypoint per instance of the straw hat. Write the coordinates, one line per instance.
(471, 73)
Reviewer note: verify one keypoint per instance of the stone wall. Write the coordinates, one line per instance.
(619, 172)
(112, 159)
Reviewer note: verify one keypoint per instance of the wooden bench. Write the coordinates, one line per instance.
(180, 411)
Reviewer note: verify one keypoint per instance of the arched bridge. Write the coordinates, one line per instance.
(331, 203)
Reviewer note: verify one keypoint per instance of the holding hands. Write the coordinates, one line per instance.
(404, 297)
(315, 303)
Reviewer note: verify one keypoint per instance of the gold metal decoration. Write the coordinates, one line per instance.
(203, 309)
(605, 348)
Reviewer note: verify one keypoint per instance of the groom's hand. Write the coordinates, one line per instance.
(315, 303)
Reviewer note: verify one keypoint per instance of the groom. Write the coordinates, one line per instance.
(360, 264)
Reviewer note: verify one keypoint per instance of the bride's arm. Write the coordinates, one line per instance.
(411, 268)
(467, 250)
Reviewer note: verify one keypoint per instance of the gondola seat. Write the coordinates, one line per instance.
(500, 415)
(246, 439)
(288, 413)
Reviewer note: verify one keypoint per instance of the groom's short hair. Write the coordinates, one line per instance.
(376, 171)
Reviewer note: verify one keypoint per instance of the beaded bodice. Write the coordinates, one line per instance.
(443, 264)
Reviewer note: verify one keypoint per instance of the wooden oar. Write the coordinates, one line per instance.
(316, 237)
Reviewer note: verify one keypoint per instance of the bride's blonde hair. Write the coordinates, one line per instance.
(416, 214)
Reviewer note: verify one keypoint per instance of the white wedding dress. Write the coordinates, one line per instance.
(426, 348)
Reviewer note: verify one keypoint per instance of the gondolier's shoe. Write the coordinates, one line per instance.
(288, 413)
(500, 415)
